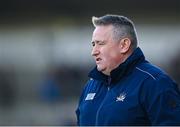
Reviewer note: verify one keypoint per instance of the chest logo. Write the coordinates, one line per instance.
(90, 96)
(121, 97)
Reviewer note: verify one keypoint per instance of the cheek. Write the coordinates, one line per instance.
(108, 60)
(106, 56)
(109, 53)
(111, 57)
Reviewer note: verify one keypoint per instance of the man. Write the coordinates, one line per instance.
(124, 88)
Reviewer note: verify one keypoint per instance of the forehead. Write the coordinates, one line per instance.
(102, 32)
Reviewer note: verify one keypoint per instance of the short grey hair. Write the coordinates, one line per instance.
(122, 27)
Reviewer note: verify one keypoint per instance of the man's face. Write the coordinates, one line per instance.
(106, 51)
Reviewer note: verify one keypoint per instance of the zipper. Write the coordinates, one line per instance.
(102, 103)
(109, 81)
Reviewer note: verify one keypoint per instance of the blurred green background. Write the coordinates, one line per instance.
(45, 52)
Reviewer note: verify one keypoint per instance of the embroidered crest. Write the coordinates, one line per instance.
(121, 97)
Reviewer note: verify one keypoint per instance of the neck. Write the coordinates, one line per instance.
(106, 73)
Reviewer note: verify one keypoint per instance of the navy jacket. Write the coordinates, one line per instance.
(135, 93)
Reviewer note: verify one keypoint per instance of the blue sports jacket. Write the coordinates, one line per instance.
(135, 93)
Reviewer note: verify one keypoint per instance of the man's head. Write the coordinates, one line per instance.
(113, 40)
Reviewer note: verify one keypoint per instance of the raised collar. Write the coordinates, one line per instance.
(122, 70)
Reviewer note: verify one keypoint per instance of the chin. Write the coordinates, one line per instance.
(100, 68)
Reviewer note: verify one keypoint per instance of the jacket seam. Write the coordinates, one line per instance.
(146, 72)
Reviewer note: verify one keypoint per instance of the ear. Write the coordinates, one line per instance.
(125, 45)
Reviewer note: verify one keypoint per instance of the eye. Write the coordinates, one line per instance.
(101, 43)
(93, 43)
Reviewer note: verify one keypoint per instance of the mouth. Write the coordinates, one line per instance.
(98, 60)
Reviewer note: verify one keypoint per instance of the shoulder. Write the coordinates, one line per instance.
(150, 71)
(157, 83)
(155, 78)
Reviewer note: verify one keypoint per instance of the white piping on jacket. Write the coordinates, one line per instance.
(146, 73)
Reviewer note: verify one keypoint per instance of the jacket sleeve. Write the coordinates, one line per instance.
(80, 100)
(161, 101)
(77, 110)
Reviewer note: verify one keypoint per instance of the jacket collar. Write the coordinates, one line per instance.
(122, 70)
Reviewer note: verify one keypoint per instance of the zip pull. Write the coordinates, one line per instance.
(109, 83)
(108, 88)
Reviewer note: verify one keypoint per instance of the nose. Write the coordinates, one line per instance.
(95, 51)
